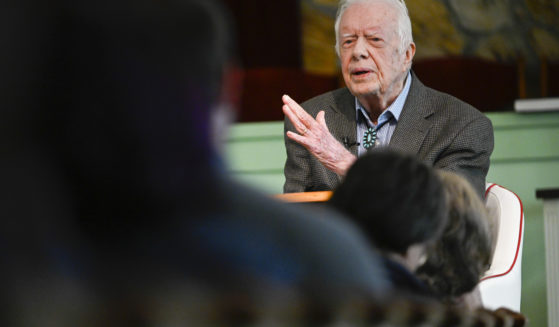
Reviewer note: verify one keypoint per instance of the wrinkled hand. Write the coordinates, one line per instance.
(316, 138)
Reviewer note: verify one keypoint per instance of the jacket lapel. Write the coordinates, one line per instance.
(342, 124)
(413, 125)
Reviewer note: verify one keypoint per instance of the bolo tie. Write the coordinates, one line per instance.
(370, 139)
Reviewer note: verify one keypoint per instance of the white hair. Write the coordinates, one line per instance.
(404, 23)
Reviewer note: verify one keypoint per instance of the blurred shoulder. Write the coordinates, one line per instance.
(316, 241)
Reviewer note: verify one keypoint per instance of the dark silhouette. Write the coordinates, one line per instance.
(119, 210)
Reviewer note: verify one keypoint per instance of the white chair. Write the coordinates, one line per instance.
(502, 283)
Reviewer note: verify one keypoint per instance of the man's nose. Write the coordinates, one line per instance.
(360, 49)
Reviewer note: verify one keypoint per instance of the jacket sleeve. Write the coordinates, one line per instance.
(468, 153)
(297, 169)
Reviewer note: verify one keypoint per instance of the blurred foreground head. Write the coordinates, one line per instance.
(134, 88)
(395, 198)
(117, 99)
(105, 117)
(122, 215)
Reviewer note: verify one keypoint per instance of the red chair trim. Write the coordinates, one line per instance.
(519, 233)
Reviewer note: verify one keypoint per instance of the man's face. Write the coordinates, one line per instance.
(369, 49)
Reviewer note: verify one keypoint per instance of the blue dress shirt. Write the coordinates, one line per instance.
(387, 121)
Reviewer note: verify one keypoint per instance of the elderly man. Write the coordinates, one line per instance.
(384, 104)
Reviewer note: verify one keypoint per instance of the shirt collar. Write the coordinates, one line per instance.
(394, 110)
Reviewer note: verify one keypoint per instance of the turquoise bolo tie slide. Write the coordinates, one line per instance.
(369, 138)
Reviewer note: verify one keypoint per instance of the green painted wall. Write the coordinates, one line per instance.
(526, 158)
(256, 154)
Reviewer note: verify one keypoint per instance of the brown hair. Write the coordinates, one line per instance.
(456, 262)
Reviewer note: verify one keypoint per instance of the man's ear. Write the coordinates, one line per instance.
(410, 52)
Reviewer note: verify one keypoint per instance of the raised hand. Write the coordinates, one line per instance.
(316, 138)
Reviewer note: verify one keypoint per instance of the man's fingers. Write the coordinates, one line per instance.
(320, 118)
(297, 123)
(297, 115)
(301, 114)
(297, 138)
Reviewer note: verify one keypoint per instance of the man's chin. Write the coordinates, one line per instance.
(363, 90)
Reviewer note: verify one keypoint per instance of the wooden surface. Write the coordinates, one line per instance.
(321, 196)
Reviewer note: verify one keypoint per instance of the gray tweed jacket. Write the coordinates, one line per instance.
(436, 127)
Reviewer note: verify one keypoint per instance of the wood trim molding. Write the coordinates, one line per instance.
(319, 196)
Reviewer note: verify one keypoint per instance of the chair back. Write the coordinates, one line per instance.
(502, 283)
